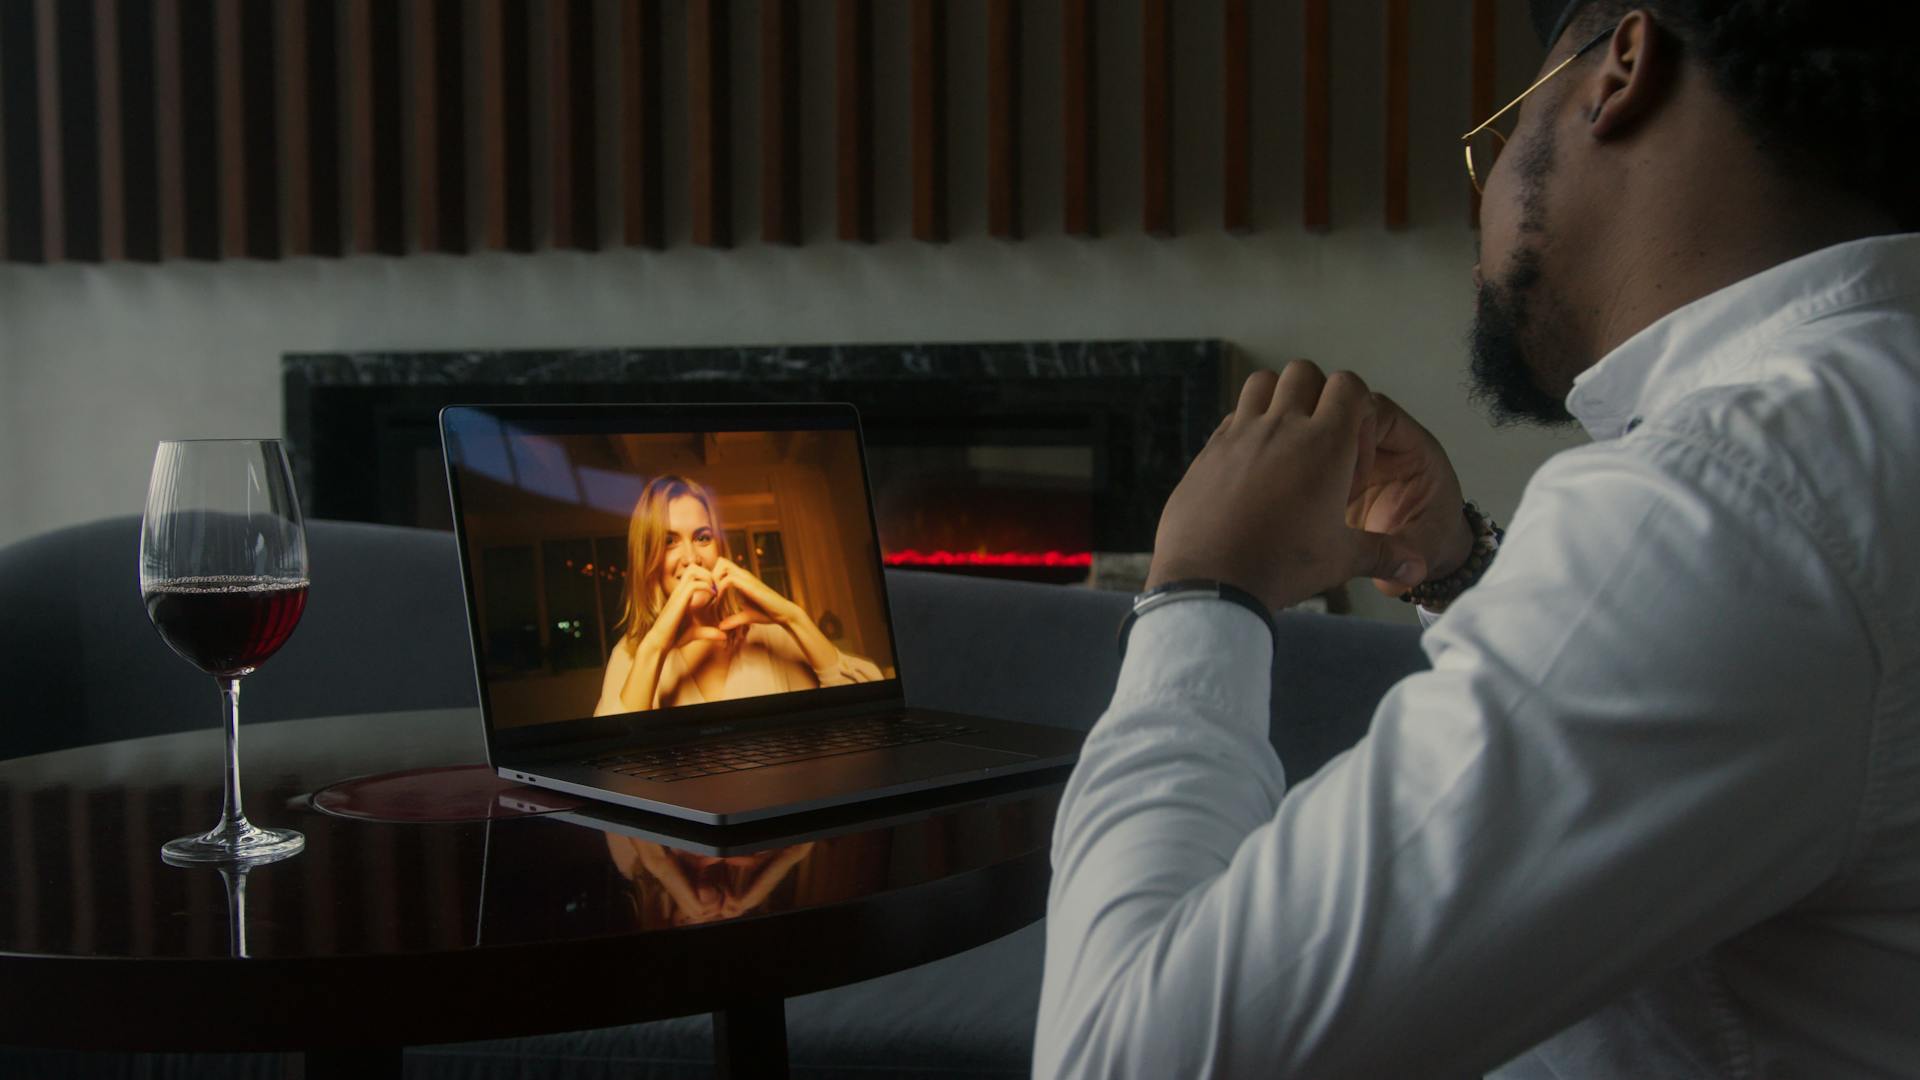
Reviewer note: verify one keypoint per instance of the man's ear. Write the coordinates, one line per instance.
(1635, 76)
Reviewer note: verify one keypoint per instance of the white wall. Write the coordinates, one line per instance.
(98, 363)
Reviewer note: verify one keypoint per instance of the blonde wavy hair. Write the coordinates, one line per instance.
(647, 543)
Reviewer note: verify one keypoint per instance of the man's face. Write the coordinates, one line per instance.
(1522, 357)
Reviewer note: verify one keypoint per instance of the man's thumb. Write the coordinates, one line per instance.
(1386, 558)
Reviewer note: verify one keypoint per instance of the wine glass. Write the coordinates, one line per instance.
(223, 570)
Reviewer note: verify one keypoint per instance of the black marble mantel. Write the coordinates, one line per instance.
(362, 432)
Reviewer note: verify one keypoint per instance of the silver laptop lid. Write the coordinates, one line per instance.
(633, 569)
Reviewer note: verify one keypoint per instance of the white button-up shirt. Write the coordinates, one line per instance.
(1655, 810)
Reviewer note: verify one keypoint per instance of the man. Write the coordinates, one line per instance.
(1655, 810)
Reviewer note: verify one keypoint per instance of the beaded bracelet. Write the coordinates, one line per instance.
(1436, 595)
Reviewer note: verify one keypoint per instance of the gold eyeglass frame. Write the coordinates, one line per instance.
(1472, 175)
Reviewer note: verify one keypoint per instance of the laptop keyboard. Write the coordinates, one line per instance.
(763, 749)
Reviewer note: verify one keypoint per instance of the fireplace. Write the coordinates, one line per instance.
(1019, 460)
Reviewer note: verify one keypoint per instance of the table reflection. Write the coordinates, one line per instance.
(235, 878)
(589, 877)
(492, 915)
(674, 887)
(80, 872)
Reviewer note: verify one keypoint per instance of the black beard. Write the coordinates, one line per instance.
(1503, 380)
(1512, 337)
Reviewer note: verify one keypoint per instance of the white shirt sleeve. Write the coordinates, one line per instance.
(1645, 730)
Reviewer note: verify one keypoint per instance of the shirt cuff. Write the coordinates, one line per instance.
(1207, 653)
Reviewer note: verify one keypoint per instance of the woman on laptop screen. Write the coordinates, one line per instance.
(699, 626)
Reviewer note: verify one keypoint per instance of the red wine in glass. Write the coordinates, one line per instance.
(223, 571)
(226, 625)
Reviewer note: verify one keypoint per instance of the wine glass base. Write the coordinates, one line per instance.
(250, 845)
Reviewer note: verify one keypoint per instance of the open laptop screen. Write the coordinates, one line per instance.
(632, 561)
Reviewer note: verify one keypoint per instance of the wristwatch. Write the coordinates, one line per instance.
(1191, 589)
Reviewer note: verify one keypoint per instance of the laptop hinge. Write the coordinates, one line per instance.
(570, 752)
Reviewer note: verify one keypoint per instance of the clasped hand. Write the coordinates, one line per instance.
(698, 586)
(1310, 481)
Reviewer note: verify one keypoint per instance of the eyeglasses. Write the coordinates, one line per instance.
(1490, 139)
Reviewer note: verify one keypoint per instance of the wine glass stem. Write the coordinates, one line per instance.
(232, 819)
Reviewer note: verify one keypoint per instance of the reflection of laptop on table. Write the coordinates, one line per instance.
(681, 609)
(780, 832)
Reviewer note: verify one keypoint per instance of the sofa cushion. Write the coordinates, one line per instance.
(384, 629)
(1047, 655)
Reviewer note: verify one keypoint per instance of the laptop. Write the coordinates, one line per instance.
(681, 609)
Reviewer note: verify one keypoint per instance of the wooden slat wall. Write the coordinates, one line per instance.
(296, 120)
(260, 132)
(249, 181)
(1079, 92)
(572, 124)
(1485, 67)
(439, 133)
(506, 126)
(233, 160)
(1317, 100)
(1156, 117)
(360, 120)
(199, 130)
(373, 87)
(19, 135)
(169, 147)
(78, 90)
(1003, 119)
(449, 149)
(166, 129)
(425, 59)
(493, 118)
(709, 149)
(779, 122)
(853, 117)
(138, 152)
(1399, 93)
(1236, 113)
(327, 192)
(929, 107)
(52, 175)
(3, 171)
(109, 138)
(640, 147)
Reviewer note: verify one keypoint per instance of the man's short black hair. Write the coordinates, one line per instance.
(1830, 91)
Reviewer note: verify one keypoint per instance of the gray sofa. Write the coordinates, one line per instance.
(385, 630)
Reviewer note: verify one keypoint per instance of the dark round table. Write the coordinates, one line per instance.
(381, 935)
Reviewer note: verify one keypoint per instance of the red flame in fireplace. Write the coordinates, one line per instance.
(988, 558)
